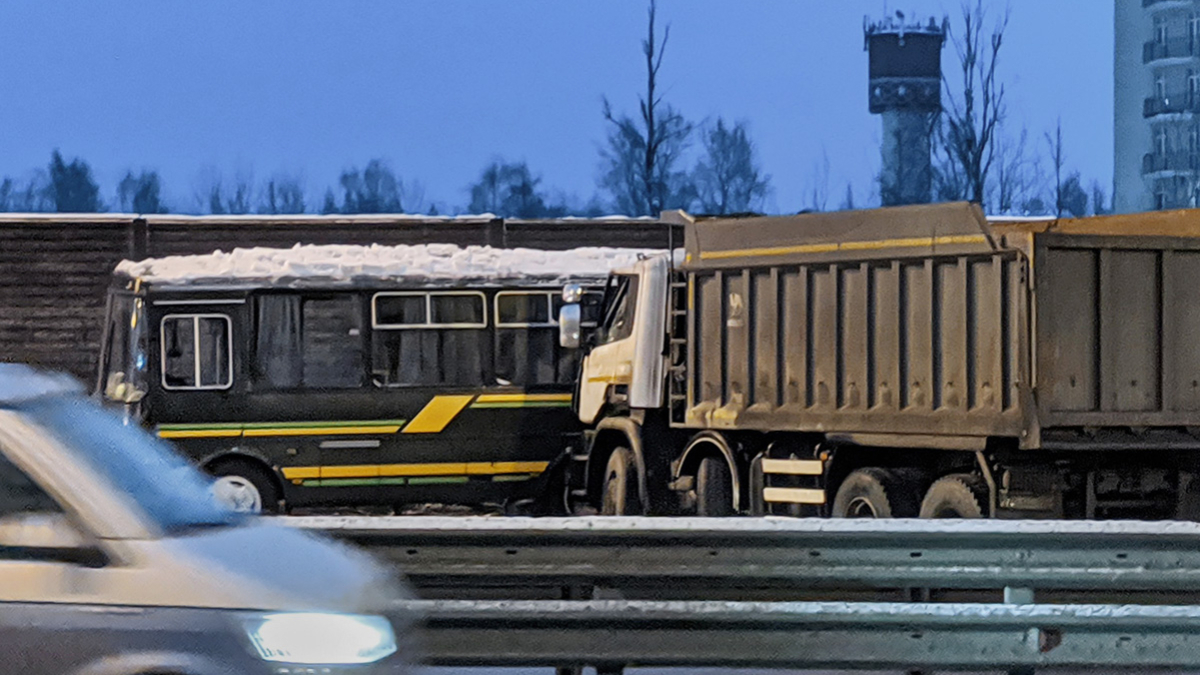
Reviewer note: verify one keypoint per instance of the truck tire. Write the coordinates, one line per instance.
(244, 486)
(959, 495)
(874, 492)
(621, 485)
(714, 488)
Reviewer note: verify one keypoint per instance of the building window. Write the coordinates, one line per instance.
(197, 351)
(1160, 141)
(1160, 86)
(1160, 31)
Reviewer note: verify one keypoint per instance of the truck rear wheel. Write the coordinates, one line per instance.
(714, 488)
(959, 495)
(621, 485)
(874, 492)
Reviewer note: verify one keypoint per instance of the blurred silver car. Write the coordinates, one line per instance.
(115, 560)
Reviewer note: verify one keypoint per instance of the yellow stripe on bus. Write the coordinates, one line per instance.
(522, 398)
(442, 469)
(432, 469)
(912, 242)
(199, 433)
(437, 414)
(492, 468)
(324, 431)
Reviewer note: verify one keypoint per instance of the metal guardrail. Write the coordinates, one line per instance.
(614, 634)
(755, 592)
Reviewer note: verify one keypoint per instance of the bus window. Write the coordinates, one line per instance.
(197, 351)
(527, 339)
(312, 343)
(429, 339)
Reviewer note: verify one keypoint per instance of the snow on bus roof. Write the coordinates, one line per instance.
(347, 263)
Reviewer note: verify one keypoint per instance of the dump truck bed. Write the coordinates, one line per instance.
(928, 327)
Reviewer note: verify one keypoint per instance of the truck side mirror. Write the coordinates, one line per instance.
(569, 317)
(568, 326)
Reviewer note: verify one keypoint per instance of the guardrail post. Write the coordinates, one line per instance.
(575, 592)
(1016, 595)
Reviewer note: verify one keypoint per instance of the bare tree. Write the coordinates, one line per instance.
(141, 193)
(214, 196)
(818, 191)
(728, 178)
(32, 197)
(282, 195)
(509, 190)
(639, 162)
(970, 119)
(1100, 204)
(1017, 174)
(1058, 159)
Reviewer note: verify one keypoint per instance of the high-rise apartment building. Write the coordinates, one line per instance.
(1156, 111)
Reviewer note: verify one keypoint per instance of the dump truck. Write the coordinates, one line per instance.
(901, 362)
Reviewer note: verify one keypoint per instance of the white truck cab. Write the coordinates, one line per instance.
(625, 366)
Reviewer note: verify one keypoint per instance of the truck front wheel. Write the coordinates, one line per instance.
(621, 485)
(876, 493)
(959, 495)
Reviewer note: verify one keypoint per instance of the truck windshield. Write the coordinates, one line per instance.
(619, 300)
(168, 489)
(123, 357)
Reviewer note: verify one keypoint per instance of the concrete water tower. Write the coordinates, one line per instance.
(905, 74)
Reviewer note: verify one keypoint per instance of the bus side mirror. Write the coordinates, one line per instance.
(117, 389)
(569, 317)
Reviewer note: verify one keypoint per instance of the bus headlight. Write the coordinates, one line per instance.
(314, 638)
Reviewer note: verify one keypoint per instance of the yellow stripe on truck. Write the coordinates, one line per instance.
(949, 240)
(793, 495)
(436, 414)
(793, 467)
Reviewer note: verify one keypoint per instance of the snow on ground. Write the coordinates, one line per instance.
(343, 263)
(897, 527)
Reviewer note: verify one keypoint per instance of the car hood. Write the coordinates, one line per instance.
(263, 566)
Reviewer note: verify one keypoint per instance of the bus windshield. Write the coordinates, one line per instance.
(122, 377)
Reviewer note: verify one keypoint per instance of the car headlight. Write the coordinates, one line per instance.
(314, 638)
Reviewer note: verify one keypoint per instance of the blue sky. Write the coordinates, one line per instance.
(439, 87)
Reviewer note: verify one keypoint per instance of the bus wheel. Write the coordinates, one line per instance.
(244, 487)
(714, 488)
(959, 495)
(621, 485)
(876, 493)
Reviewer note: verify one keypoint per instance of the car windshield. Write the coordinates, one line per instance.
(172, 493)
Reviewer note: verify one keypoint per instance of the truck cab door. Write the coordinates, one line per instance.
(608, 368)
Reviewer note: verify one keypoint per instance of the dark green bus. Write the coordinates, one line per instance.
(348, 376)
